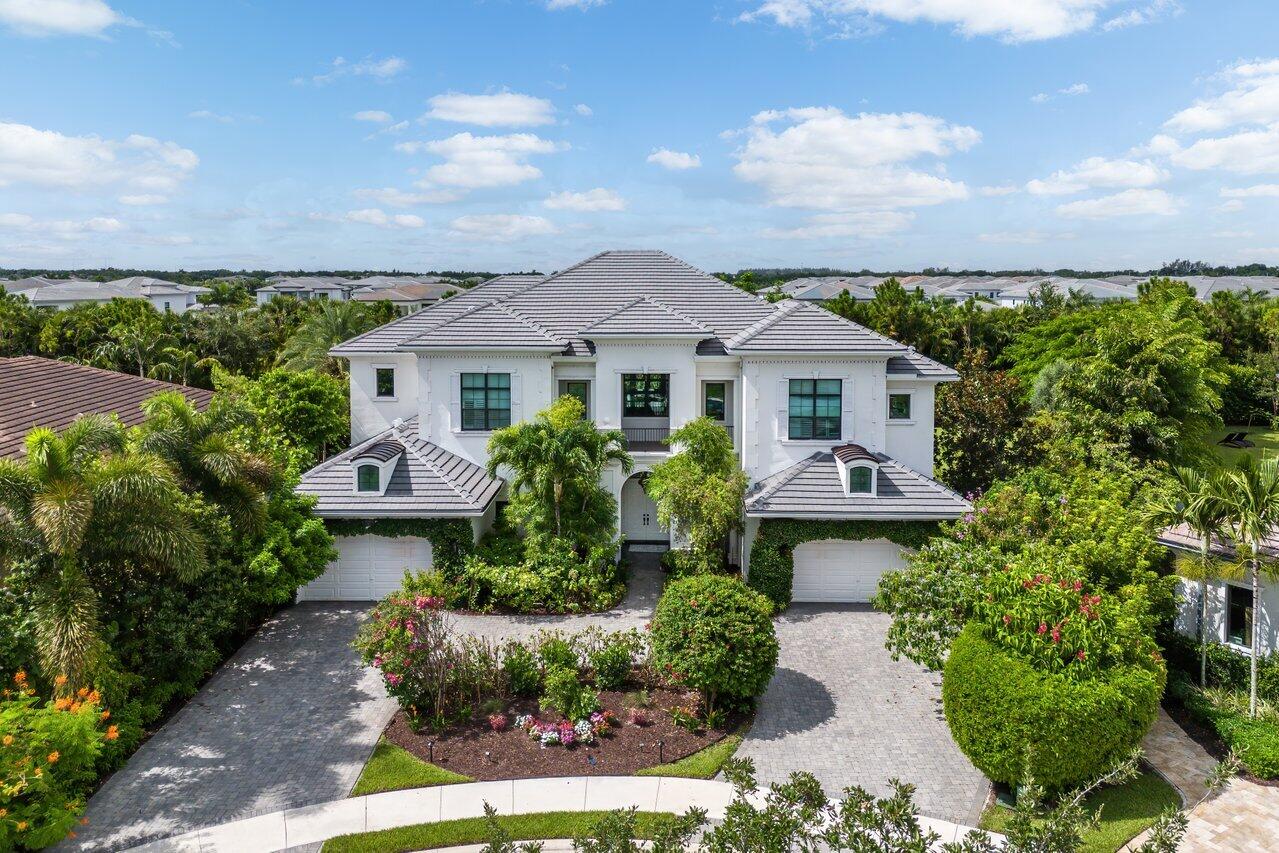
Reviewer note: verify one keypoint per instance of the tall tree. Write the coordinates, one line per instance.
(334, 322)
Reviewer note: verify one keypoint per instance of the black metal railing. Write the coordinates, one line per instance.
(647, 438)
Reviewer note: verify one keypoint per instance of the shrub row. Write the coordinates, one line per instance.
(1255, 741)
(1226, 667)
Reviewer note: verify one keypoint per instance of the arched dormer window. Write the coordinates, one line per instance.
(368, 478)
(861, 480)
(858, 469)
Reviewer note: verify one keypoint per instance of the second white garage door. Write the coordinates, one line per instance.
(838, 570)
(368, 568)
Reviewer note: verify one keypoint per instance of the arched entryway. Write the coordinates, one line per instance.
(639, 514)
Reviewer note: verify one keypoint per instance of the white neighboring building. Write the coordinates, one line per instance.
(165, 296)
(830, 420)
(305, 288)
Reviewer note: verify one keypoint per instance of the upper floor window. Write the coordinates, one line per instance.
(486, 401)
(714, 397)
(1239, 616)
(861, 480)
(579, 388)
(646, 395)
(384, 381)
(368, 478)
(899, 407)
(815, 408)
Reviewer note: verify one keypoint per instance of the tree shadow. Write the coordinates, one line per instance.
(795, 702)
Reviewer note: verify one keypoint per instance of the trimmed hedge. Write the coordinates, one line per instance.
(772, 568)
(1255, 741)
(1011, 720)
(1226, 667)
(452, 539)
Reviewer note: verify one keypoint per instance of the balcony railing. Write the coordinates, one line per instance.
(647, 438)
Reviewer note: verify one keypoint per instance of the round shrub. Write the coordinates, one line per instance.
(612, 665)
(715, 634)
(522, 672)
(566, 694)
(1013, 720)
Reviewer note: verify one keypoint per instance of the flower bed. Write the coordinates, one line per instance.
(623, 738)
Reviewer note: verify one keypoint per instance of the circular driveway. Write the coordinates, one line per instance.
(840, 708)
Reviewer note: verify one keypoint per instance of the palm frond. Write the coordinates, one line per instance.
(68, 636)
(61, 511)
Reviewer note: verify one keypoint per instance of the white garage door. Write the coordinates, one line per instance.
(368, 568)
(839, 570)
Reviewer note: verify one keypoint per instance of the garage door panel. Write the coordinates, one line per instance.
(368, 568)
(842, 571)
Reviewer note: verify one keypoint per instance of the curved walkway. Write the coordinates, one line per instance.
(313, 824)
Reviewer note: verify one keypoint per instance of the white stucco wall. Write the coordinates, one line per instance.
(1266, 618)
(911, 442)
(370, 415)
(612, 360)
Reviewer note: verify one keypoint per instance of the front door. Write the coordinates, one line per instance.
(639, 514)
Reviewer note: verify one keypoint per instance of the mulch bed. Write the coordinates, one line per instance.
(475, 750)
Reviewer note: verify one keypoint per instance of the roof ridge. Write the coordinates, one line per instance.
(678, 313)
(464, 494)
(351, 452)
(786, 476)
(925, 479)
(612, 314)
(765, 322)
(532, 324)
(856, 325)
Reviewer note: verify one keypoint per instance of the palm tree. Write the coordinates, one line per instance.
(84, 497)
(1197, 501)
(200, 447)
(333, 323)
(1252, 501)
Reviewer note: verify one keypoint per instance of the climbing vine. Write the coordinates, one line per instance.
(452, 539)
(772, 567)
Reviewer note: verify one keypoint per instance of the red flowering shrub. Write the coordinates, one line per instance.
(498, 722)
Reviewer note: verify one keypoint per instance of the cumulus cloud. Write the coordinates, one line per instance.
(59, 17)
(381, 219)
(378, 69)
(374, 116)
(1134, 202)
(50, 159)
(1002, 190)
(1099, 172)
(142, 199)
(598, 199)
(393, 197)
(472, 162)
(824, 159)
(1142, 15)
(1020, 238)
(1070, 91)
(504, 109)
(1257, 191)
(674, 160)
(61, 228)
(1248, 152)
(583, 110)
(863, 223)
(1009, 20)
(500, 227)
(1253, 98)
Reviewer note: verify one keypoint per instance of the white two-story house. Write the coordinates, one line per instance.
(829, 419)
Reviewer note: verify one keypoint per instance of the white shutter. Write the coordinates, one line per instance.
(783, 409)
(846, 401)
(517, 407)
(455, 402)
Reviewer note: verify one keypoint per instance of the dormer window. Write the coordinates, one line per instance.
(369, 478)
(861, 480)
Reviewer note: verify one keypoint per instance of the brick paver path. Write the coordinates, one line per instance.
(1244, 818)
(842, 709)
(1178, 758)
(288, 721)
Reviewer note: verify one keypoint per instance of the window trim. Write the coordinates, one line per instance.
(359, 472)
(394, 385)
(665, 389)
(488, 410)
(910, 419)
(839, 409)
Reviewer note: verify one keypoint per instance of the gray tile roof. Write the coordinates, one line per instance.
(427, 482)
(799, 327)
(487, 325)
(811, 488)
(645, 317)
(410, 291)
(1180, 537)
(914, 365)
(305, 284)
(382, 451)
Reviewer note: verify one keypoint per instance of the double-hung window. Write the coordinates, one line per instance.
(486, 401)
(714, 399)
(646, 395)
(1239, 615)
(815, 408)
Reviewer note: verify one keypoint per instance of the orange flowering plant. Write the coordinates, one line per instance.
(47, 753)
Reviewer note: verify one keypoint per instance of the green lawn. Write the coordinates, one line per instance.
(703, 764)
(391, 768)
(1126, 810)
(450, 833)
(1266, 439)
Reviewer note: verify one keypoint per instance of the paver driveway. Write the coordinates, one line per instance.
(288, 721)
(842, 709)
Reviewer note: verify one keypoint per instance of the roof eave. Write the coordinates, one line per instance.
(877, 354)
(373, 514)
(481, 348)
(856, 516)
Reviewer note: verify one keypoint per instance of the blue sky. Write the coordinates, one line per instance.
(519, 134)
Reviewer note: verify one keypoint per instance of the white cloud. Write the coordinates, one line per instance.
(375, 216)
(862, 223)
(1074, 89)
(500, 227)
(991, 192)
(379, 69)
(1134, 202)
(597, 199)
(1021, 238)
(472, 162)
(50, 159)
(1010, 20)
(824, 159)
(210, 115)
(674, 160)
(1252, 99)
(1040, 98)
(556, 5)
(61, 228)
(1144, 15)
(504, 109)
(401, 198)
(583, 110)
(1160, 145)
(375, 116)
(143, 199)
(1248, 152)
(1258, 191)
(1097, 172)
(59, 17)
(1232, 206)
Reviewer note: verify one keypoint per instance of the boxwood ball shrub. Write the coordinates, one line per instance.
(1012, 719)
(714, 634)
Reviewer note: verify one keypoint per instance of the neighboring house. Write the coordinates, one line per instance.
(407, 297)
(42, 392)
(67, 293)
(305, 288)
(830, 420)
(1232, 614)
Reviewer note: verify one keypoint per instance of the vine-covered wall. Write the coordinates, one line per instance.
(451, 538)
(772, 567)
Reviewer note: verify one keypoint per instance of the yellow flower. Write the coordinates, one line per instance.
(3, 812)
(53, 757)
(113, 732)
(22, 826)
(106, 715)
(8, 740)
(39, 773)
(59, 681)
(19, 677)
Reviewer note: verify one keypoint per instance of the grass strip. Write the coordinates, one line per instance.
(450, 833)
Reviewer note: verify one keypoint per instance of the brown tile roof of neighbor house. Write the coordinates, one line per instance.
(38, 391)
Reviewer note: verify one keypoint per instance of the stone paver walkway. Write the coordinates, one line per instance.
(297, 828)
(289, 720)
(1178, 758)
(1243, 818)
(840, 708)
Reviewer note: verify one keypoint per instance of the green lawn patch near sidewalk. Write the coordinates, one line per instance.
(703, 764)
(1126, 810)
(391, 768)
(449, 833)
(1265, 439)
